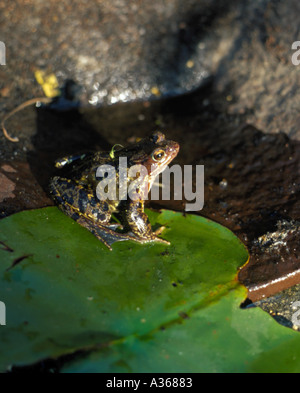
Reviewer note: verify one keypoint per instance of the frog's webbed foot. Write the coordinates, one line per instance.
(157, 239)
(151, 239)
(160, 240)
(105, 234)
(159, 232)
(140, 225)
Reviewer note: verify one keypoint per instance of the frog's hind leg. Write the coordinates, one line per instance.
(83, 206)
(103, 233)
(74, 198)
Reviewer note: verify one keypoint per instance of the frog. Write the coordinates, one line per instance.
(74, 190)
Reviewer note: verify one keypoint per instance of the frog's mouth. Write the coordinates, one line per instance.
(172, 150)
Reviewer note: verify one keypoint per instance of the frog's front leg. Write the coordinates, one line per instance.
(139, 224)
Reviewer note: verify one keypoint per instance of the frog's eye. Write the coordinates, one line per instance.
(158, 155)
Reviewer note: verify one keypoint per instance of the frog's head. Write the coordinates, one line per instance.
(163, 151)
(154, 152)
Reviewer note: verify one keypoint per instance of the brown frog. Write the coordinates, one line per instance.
(75, 191)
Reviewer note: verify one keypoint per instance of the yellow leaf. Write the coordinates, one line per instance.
(49, 83)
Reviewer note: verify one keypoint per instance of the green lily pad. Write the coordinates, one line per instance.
(64, 291)
(219, 338)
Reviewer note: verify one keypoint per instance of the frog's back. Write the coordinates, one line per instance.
(83, 171)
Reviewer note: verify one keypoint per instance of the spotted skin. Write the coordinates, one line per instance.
(75, 190)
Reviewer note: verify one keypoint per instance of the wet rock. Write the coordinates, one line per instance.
(255, 64)
(284, 307)
(122, 51)
(275, 261)
(19, 189)
(6, 188)
(7, 168)
(242, 123)
(117, 50)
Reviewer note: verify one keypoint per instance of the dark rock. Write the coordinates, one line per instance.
(241, 121)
